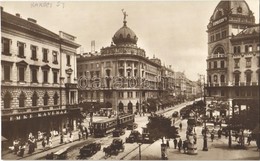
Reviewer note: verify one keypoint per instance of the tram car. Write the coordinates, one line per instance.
(103, 127)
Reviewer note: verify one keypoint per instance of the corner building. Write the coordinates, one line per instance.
(121, 77)
(233, 56)
(39, 82)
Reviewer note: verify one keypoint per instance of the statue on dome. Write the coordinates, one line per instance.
(124, 12)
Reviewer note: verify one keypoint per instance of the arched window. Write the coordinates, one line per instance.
(219, 50)
(7, 100)
(55, 98)
(215, 78)
(130, 107)
(222, 78)
(121, 106)
(34, 99)
(45, 99)
(22, 99)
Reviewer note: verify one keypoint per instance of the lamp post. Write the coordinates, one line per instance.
(229, 131)
(140, 151)
(205, 143)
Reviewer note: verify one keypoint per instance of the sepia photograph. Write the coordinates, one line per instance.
(130, 80)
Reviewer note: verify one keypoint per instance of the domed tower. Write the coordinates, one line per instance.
(228, 19)
(125, 36)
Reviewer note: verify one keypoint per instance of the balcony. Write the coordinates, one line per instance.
(230, 84)
(212, 56)
(71, 85)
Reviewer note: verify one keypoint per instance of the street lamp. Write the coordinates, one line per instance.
(205, 143)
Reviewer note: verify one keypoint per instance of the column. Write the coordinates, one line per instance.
(125, 74)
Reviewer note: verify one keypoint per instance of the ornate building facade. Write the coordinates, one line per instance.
(39, 82)
(121, 76)
(233, 55)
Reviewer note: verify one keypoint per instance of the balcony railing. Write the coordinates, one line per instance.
(219, 84)
(217, 56)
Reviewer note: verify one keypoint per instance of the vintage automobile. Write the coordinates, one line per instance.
(132, 126)
(59, 155)
(134, 136)
(90, 149)
(118, 131)
(114, 147)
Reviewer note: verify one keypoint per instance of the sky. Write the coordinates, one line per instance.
(173, 31)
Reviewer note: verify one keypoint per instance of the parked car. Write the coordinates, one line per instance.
(114, 147)
(90, 149)
(118, 131)
(134, 136)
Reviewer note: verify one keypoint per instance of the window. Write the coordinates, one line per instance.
(22, 99)
(258, 47)
(137, 94)
(34, 99)
(215, 78)
(235, 49)
(129, 94)
(236, 61)
(237, 78)
(248, 62)
(246, 48)
(238, 49)
(55, 77)
(209, 78)
(215, 64)
(68, 60)
(45, 76)
(55, 57)
(6, 46)
(209, 65)
(21, 71)
(21, 47)
(55, 98)
(218, 36)
(222, 78)
(34, 75)
(45, 55)
(222, 64)
(224, 34)
(121, 94)
(248, 77)
(34, 52)
(7, 72)
(91, 66)
(45, 99)
(7, 100)
(97, 65)
(250, 48)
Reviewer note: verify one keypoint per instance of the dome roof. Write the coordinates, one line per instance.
(125, 36)
(231, 7)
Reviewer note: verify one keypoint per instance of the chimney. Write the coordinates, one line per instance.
(17, 15)
(31, 20)
(93, 46)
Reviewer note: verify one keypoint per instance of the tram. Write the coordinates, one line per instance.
(104, 127)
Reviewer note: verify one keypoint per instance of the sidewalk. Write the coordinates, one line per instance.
(217, 150)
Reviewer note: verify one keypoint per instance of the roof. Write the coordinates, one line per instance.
(248, 32)
(25, 24)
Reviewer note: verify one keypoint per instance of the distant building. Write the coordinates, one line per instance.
(233, 55)
(39, 82)
(120, 78)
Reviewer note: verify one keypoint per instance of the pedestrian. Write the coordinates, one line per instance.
(180, 125)
(185, 146)
(79, 133)
(180, 144)
(226, 133)
(236, 135)
(21, 149)
(167, 143)
(212, 136)
(61, 138)
(71, 137)
(47, 138)
(16, 146)
(249, 138)
(258, 143)
(50, 142)
(86, 132)
(43, 142)
(175, 143)
(219, 133)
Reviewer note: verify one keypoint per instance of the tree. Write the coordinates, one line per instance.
(160, 126)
